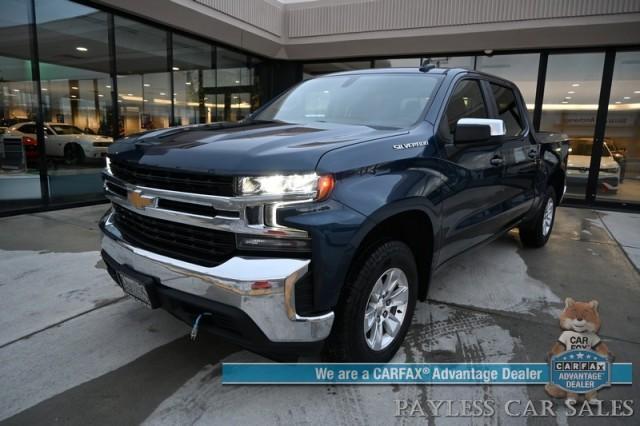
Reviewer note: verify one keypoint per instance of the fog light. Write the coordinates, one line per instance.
(257, 243)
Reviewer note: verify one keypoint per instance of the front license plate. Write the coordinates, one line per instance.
(135, 289)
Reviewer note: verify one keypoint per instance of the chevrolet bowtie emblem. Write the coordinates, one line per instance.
(139, 201)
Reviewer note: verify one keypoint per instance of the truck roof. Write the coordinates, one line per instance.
(416, 70)
(401, 70)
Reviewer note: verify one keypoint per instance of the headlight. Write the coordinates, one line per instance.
(107, 165)
(610, 170)
(318, 187)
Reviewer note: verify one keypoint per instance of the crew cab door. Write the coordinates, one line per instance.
(473, 206)
(518, 151)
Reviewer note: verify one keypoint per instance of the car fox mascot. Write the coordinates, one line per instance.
(581, 323)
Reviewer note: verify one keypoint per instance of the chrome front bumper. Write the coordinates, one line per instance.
(272, 310)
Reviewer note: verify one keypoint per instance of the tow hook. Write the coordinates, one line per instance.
(196, 324)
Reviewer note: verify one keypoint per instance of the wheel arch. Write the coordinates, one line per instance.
(411, 224)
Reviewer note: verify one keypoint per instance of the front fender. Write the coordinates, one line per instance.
(412, 185)
(361, 200)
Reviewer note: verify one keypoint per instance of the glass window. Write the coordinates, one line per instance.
(398, 63)
(452, 61)
(379, 101)
(466, 102)
(234, 85)
(570, 106)
(144, 90)
(316, 69)
(619, 177)
(76, 97)
(192, 60)
(508, 109)
(521, 69)
(63, 129)
(19, 159)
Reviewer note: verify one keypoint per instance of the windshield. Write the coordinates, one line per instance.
(376, 100)
(66, 130)
(583, 147)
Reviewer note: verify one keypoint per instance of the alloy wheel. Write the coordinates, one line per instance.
(386, 309)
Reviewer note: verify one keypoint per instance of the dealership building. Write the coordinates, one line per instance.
(76, 73)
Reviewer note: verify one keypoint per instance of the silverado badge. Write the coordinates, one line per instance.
(410, 145)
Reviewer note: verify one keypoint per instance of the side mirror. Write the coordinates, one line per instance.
(477, 130)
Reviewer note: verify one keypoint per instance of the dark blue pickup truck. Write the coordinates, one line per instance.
(318, 221)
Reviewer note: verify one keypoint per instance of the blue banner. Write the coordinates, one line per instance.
(425, 373)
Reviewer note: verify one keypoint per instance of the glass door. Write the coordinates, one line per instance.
(570, 106)
(619, 175)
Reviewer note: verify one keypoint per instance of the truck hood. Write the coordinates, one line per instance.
(242, 148)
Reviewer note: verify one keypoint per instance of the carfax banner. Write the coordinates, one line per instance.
(572, 373)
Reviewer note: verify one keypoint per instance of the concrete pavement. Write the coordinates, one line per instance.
(75, 351)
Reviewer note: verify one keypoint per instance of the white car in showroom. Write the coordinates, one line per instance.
(66, 141)
(579, 162)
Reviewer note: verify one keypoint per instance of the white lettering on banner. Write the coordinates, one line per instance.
(397, 373)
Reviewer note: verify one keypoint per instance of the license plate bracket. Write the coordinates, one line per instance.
(140, 287)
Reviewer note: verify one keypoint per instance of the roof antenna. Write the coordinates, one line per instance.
(426, 66)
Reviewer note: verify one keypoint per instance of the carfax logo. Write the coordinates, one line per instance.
(580, 371)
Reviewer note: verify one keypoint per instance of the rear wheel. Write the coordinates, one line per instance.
(536, 232)
(375, 311)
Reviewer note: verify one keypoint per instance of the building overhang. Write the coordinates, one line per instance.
(325, 29)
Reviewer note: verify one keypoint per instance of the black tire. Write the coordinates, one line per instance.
(73, 154)
(532, 232)
(347, 342)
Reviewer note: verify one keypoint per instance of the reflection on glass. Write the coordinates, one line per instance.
(233, 86)
(622, 135)
(19, 159)
(570, 106)
(76, 97)
(521, 69)
(193, 59)
(144, 92)
(316, 69)
(378, 101)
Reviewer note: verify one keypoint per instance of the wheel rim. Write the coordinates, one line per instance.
(386, 309)
(547, 220)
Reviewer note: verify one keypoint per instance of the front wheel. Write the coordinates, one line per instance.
(375, 311)
(536, 232)
(73, 154)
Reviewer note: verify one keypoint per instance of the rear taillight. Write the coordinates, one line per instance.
(30, 147)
